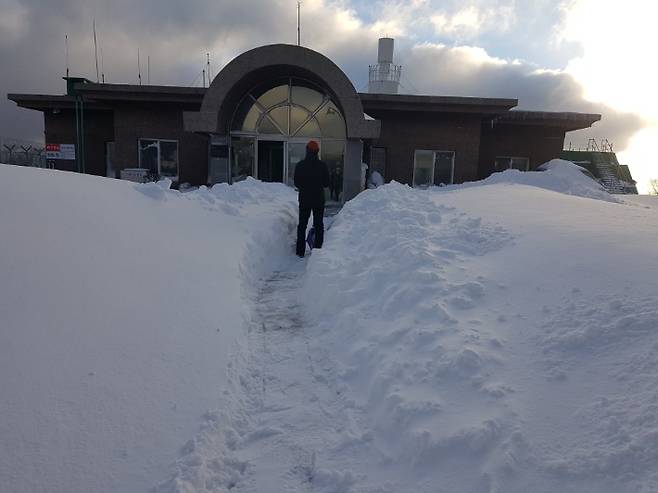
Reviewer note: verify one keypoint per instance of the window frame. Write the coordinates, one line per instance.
(176, 141)
(527, 168)
(434, 152)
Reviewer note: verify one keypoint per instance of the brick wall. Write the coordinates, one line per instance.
(404, 132)
(162, 121)
(538, 143)
(98, 129)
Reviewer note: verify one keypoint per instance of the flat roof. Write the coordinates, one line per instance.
(564, 119)
(413, 102)
(100, 96)
(132, 92)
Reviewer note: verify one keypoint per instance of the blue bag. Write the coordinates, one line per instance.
(310, 238)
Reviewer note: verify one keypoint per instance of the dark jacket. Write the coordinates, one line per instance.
(311, 178)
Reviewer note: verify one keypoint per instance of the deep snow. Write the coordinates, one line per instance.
(121, 307)
(494, 337)
(498, 336)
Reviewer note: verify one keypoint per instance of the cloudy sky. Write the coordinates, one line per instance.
(574, 55)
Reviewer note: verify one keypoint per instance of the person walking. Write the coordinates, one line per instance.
(311, 178)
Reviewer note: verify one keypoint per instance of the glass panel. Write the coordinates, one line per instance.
(443, 163)
(169, 159)
(109, 160)
(306, 97)
(297, 117)
(331, 122)
(280, 117)
(332, 154)
(148, 155)
(296, 152)
(242, 158)
(246, 116)
(520, 163)
(310, 129)
(267, 125)
(274, 96)
(378, 160)
(501, 163)
(218, 164)
(423, 167)
(270, 161)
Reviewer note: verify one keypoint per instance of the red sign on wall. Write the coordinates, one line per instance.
(60, 151)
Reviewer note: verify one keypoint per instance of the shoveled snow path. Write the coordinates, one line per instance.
(295, 414)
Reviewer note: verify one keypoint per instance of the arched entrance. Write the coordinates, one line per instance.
(272, 124)
(264, 106)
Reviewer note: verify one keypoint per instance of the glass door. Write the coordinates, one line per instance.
(243, 158)
(295, 152)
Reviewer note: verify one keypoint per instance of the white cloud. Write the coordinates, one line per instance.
(617, 65)
(13, 20)
(471, 21)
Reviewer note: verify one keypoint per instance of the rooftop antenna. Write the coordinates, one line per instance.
(102, 69)
(299, 7)
(139, 69)
(66, 48)
(96, 51)
(208, 64)
(204, 78)
(148, 70)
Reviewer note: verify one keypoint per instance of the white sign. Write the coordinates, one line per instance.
(60, 151)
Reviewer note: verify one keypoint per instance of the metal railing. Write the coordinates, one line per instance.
(385, 72)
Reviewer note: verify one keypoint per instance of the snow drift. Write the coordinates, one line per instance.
(558, 175)
(492, 337)
(121, 306)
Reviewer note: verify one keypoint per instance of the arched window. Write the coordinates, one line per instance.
(293, 108)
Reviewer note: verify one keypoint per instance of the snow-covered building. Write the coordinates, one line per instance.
(262, 108)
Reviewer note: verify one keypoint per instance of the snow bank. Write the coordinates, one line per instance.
(559, 176)
(491, 338)
(121, 309)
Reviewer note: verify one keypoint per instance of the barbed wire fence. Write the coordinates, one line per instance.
(22, 152)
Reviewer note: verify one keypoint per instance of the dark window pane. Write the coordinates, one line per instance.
(378, 160)
(443, 164)
(520, 163)
(502, 163)
(423, 166)
(242, 164)
(333, 155)
(148, 155)
(169, 159)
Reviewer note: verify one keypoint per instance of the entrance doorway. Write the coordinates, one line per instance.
(270, 161)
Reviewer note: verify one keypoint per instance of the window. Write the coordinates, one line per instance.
(378, 160)
(159, 156)
(294, 108)
(504, 162)
(433, 168)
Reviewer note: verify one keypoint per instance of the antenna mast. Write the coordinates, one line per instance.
(96, 51)
(299, 6)
(66, 48)
(148, 70)
(139, 69)
(208, 65)
(102, 69)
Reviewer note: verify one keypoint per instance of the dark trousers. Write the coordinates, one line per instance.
(318, 224)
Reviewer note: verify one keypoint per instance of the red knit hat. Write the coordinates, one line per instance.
(313, 146)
